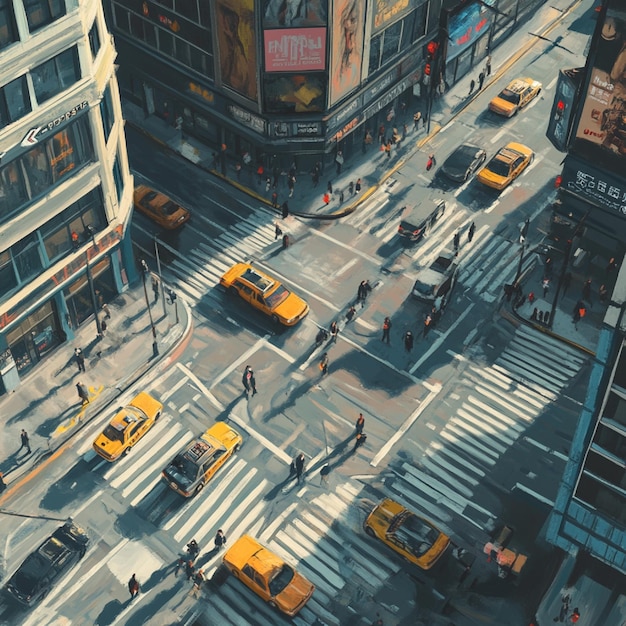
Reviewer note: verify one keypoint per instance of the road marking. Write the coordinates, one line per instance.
(280, 352)
(346, 267)
(170, 392)
(407, 424)
(497, 136)
(543, 448)
(534, 494)
(363, 255)
(84, 505)
(441, 339)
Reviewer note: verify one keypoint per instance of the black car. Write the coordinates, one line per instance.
(463, 162)
(41, 569)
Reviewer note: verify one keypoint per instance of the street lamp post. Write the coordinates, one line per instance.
(144, 272)
(158, 260)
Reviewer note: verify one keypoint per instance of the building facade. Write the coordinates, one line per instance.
(65, 185)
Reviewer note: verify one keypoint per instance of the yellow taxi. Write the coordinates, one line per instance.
(515, 96)
(127, 427)
(264, 293)
(411, 536)
(506, 165)
(159, 208)
(192, 468)
(268, 575)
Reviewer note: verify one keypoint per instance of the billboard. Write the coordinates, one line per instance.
(602, 121)
(467, 26)
(237, 45)
(295, 49)
(294, 93)
(560, 122)
(294, 13)
(387, 11)
(346, 47)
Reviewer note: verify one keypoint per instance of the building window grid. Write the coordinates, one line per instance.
(40, 13)
(94, 39)
(117, 177)
(14, 101)
(107, 112)
(56, 74)
(8, 27)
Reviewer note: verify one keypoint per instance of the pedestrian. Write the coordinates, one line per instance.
(133, 587)
(83, 394)
(575, 616)
(602, 293)
(277, 231)
(350, 314)
(275, 174)
(456, 241)
(351, 188)
(431, 162)
(324, 472)
(548, 267)
(408, 341)
(386, 329)
(291, 182)
(198, 579)
(259, 170)
(238, 170)
(531, 297)
(540, 316)
(360, 423)
(567, 279)
(381, 134)
(481, 80)
(193, 549)
(388, 149)
(189, 569)
(299, 461)
(329, 187)
(428, 320)
(80, 359)
(220, 539)
(405, 130)
(417, 116)
(326, 198)
(155, 288)
(471, 231)
(179, 565)
(357, 187)
(268, 183)
(363, 291)
(533, 316)
(341, 196)
(611, 267)
(359, 441)
(545, 285)
(285, 241)
(107, 311)
(587, 291)
(25, 441)
(488, 65)
(248, 380)
(339, 161)
(472, 85)
(275, 199)
(285, 210)
(334, 331)
(324, 364)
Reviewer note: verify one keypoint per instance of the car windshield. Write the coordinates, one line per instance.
(415, 533)
(151, 195)
(509, 96)
(280, 579)
(28, 575)
(185, 467)
(499, 167)
(113, 434)
(424, 288)
(276, 297)
(169, 208)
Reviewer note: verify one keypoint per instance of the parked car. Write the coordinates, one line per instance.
(265, 294)
(437, 280)
(505, 166)
(411, 536)
(515, 96)
(159, 208)
(417, 220)
(41, 569)
(463, 162)
(128, 426)
(271, 578)
(191, 469)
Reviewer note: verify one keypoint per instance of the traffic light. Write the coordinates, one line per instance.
(431, 52)
(559, 110)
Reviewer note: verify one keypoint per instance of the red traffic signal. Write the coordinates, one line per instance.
(427, 69)
(560, 109)
(558, 181)
(432, 47)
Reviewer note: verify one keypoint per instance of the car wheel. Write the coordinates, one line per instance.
(127, 450)
(199, 488)
(156, 417)
(370, 531)
(232, 291)
(236, 448)
(272, 604)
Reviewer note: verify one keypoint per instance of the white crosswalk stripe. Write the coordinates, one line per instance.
(498, 405)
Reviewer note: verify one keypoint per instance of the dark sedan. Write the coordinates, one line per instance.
(43, 567)
(463, 162)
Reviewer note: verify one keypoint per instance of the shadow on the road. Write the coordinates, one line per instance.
(77, 485)
(109, 612)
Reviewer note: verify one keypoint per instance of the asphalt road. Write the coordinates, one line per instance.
(471, 428)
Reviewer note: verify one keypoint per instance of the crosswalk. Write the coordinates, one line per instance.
(195, 273)
(497, 405)
(306, 533)
(486, 263)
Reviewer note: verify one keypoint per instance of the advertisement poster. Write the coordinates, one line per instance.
(297, 49)
(387, 11)
(294, 13)
(294, 93)
(347, 48)
(603, 118)
(467, 26)
(237, 45)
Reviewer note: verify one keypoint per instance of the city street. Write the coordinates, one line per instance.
(470, 429)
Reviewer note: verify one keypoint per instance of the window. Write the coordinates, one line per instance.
(106, 110)
(121, 18)
(12, 190)
(14, 101)
(391, 42)
(27, 258)
(8, 280)
(40, 13)
(166, 42)
(374, 62)
(117, 177)
(55, 75)
(188, 8)
(8, 30)
(94, 39)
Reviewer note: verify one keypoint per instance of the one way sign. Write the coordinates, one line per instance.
(31, 137)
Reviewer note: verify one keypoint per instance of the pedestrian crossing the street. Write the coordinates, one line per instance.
(496, 407)
(306, 533)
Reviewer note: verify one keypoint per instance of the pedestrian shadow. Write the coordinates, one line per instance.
(33, 405)
(297, 392)
(109, 613)
(75, 486)
(46, 428)
(205, 558)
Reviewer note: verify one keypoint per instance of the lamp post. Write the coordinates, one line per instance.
(94, 302)
(158, 260)
(144, 272)
(522, 239)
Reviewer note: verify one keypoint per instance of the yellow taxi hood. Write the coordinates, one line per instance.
(293, 597)
(292, 307)
(146, 403)
(223, 433)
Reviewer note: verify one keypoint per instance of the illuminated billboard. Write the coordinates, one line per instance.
(299, 49)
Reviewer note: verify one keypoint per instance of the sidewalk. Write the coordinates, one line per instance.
(46, 403)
